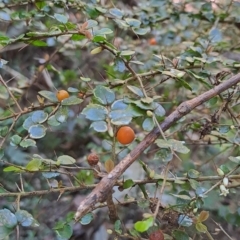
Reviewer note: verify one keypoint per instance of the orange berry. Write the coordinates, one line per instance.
(152, 41)
(93, 159)
(62, 94)
(158, 235)
(125, 135)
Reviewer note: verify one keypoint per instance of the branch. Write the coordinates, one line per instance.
(44, 192)
(29, 109)
(104, 187)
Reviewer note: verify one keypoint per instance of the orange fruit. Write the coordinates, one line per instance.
(152, 41)
(125, 135)
(62, 94)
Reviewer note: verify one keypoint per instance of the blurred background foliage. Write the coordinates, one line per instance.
(180, 49)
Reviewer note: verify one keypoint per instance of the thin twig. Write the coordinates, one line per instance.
(222, 230)
(14, 99)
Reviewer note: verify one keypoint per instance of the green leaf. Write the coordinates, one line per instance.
(133, 22)
(61, 18)
(184, 84)
(49, 95)
(98, 39)
(39, 116)
(5, 232)
(224, 129)
(136, 90)
(38, 43)
(121, 23)
(200, 78)
(26, 219)
(4, 40)
(147, 100)
(127, 53)
(117, 226)
(25, 143)
(128, 183)
(159, 111)
(141, 31)
(116, 12)
(28, 122)
(99, 126)
(66, 160)
(85, 79)
(12, 169)
(148, 124)
(3, 131)
(184, 197)
(119, 65)
(62, 114)
(178, 146)
(104, 95)
(103, 31)
(143, 226)
(163, 143)
(7, 218)
(34, 165)
(50, 174)
(15, 140)
(119, 105)
(37, 131)
(123, 120)
(201, 227)
(215, 35)
(65, 232)
(91, 23)
(95, 112)
(96, 50)
(194, 184)
(184, 220)
(192, 173)
(73, 90)
(234, 159)
(77, 37)
(180, 235)
(164, 154)
(225, 168)
(85, 220)
(40, 4)
(137, 62)
(52, 121)
(73, 100)
(117, 115)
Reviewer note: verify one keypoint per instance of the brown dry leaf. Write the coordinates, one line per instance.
(109, 165)
(40, 100)
(203, 216)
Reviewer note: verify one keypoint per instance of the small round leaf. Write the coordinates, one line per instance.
(86, 219)
(66, 160)
(99, 126)
(37, 131)
(39, 116)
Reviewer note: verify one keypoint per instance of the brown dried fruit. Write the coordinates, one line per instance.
(158, 235)
(93, 159)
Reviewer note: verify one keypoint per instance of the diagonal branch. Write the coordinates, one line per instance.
(101, 191)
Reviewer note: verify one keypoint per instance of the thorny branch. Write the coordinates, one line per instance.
(119, 183)
(106, 184)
